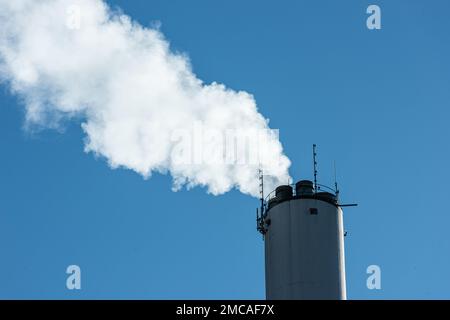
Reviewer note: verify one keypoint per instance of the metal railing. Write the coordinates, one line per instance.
(320, 188)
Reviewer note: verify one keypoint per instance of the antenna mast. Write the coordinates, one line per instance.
(336, 189)
(260, 216)
(315, 167)
(261, 189)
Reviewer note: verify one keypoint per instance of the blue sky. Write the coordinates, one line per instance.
(376, 102)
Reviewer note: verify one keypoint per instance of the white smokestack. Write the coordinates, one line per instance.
(140, 104)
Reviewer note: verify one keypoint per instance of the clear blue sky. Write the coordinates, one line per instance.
(376, 102)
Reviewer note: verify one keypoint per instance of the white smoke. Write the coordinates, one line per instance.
(79, 59)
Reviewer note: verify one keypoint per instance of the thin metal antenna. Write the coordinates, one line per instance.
(336, 189)
(257, 218)
(335, 179)
(261, 189)
(315, 167)
(261, 214)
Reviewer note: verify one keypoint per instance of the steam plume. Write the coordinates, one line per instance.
(137, 100)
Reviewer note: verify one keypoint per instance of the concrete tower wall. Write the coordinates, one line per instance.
(304, 250)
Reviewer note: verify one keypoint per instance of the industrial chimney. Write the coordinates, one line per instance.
(304, 242)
